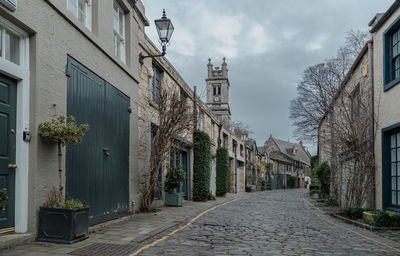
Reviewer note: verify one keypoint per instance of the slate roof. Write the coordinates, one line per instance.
(261, 150)
(287, 148)
(278, 157)
(382, 18)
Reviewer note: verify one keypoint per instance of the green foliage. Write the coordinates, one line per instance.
(210, 196)
(251, 179)
(174, 179)
(314, 161)
(313, 191)
(323, 176)
(55, 200)
(293, 181)
(3, 199)
(222, 171)
(269, 166)
(73, 204)
(354, 212)
(331, 201)
(202, 165)
(382, 219)
(62, 130)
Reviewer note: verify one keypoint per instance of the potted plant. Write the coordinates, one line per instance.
(174, 179)
(60, 220)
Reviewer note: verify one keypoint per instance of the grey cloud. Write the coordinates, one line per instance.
(298, 33)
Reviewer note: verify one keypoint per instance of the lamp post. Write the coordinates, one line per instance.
(164, 29)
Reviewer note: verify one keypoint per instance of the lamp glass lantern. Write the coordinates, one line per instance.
(164, 29)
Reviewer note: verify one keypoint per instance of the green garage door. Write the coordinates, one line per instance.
(97, 170)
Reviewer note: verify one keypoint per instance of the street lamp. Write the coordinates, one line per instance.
(164, 29)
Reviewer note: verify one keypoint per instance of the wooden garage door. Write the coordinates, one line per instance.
(97, 170)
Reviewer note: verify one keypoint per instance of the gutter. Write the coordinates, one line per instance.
(372, 118)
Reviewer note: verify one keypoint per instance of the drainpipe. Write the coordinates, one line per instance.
(372, 118)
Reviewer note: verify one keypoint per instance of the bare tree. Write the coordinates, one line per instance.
(319, 85)
(354, 152)
(174, 121)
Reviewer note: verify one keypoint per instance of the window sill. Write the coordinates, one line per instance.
(393, 83)
(393, 208)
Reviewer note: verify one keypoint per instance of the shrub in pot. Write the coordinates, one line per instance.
(60, 220)
(174, 179)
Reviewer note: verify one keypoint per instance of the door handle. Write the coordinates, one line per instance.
(12, 166)
(106, 151)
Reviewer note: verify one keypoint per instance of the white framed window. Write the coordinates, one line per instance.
(82, 10)
(13, 44)
(119, 31)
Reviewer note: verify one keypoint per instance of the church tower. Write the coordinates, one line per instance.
(218, 92)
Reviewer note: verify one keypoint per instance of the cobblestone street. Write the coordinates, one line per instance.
(272, 223)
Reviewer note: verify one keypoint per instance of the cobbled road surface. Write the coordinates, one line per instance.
(271, 223)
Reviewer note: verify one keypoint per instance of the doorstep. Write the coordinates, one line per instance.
(13, 240)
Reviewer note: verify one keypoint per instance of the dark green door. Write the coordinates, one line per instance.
(8, 107)
(98, 168)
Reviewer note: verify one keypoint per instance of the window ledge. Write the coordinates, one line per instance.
(393, 208)
(393, 83)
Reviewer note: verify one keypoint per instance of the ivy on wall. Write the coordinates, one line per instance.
(222, 177)
(202, 165)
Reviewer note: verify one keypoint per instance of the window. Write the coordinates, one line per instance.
(355, 103)
(119, 31)
(81, 9)
(200, 122)
(9, 46)
(391, 50)
(212, 129)
(216, 89)
(395, 169)
(156, 83)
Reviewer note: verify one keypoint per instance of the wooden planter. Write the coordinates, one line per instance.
(65, 226)
(173, 199)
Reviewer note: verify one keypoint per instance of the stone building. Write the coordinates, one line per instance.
(217, 99)
(158, 73)
(346, 124)
(386, 88)
(288, 160)
(69, 57)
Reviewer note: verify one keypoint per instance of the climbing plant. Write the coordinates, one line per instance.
(202, 165)
(222, 177)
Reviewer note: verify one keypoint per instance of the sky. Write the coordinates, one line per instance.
(267, 44)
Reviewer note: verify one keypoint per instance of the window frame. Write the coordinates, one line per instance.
(88, 12)
(386, 168)
(121, 53)
(389, 79)
(23, 44)
(155, 89)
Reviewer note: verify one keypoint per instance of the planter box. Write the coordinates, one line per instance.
(173, 199)
(65, 226)
(368, 216)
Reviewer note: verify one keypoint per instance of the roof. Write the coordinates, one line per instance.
(261, 149)
(380, 19)
(278, 157)
(359, 57)
(286, 148)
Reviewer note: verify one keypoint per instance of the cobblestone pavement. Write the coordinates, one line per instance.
(272, 223)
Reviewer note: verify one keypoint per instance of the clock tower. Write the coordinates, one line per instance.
(218, 92)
